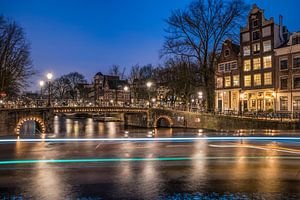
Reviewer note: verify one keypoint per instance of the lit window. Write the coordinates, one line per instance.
(283, 63)
(247, 65)
(219, 82)
(283, 103)
(236, 80)
(267, 61)
(267, 46)
(268, 78)
(257, 79)
(256, 64)
(227, 81)
(256, 48)
(296, 61)
(296, 103)
(247, 80)
(247, 50)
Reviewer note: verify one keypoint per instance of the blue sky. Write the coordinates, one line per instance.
(89, 36)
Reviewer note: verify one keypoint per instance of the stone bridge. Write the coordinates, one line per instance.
(11, 120)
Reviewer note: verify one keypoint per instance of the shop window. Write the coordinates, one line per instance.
(296, 103)
(283, 103)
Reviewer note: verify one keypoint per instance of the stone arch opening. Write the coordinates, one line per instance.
(41, 127)
(163, 121)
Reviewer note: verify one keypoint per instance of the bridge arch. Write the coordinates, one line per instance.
(165, 118)
(38, 120)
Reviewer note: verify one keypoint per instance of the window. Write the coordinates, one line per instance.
(246, 37)
(247, 80)
(221, 67)
(255, 23)
(227, 53)
(255, 35)
(256, 64)
(268, 78)
(283, 103)
(219, 82)
(247, 65)
(257, 79)
(256, 48)
(227, 81)
(283, 83)
(266, 31)
(296, 61)
(296, 103)
(247, 50)
(296, 40)
(283, 63)
(267, 46)
(267, 61)
(234, 65)
(236, 80)
(227, 67)
(296, 82)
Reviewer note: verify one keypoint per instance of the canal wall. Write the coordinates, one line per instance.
(182, 119)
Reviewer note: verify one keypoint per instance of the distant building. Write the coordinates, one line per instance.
(105, 90)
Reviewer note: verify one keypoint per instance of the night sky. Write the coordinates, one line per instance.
(89, 37)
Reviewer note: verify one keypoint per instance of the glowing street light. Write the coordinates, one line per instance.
(126, 88)
(149, 84)
(42, 83)
(49, 78)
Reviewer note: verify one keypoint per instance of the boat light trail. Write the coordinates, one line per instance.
(99, 160)
(182, 139)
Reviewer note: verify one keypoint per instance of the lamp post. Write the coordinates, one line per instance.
(242, 96)
(49, 78)
(41, 83)
(200, 96)
(149, 85)
(126, 89)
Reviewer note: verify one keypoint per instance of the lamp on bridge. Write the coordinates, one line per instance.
(149, 85)
(49, 78)
(126, 89)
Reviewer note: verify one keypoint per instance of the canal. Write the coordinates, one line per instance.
(191, 164)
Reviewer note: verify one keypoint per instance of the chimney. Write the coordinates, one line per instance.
(281, 28)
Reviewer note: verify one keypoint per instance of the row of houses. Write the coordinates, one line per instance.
(262, 73)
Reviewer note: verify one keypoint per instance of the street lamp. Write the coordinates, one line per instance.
(126, 89)
(149, 84)
(49, 78)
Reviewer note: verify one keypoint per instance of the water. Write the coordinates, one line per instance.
(214, 169)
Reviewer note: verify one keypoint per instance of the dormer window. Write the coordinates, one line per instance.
(296, 40)
(227, 53)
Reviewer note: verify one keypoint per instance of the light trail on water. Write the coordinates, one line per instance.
(102, 160)
(175, 139)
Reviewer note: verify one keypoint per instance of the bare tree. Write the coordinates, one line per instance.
(116, 70)
(197, 33)
(15, 62)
